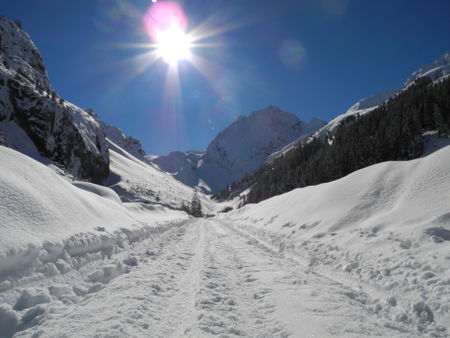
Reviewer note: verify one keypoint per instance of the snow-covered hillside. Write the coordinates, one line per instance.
(45, 218)
(237, 150)
(437, 70)
(137, 181)
(385, 228)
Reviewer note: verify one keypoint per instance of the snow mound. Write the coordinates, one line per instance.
(387, 226)
(98, 190)
(31, 297)
(8, 321)
(46, 222)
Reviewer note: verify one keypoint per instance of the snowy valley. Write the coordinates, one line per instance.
(94, 241)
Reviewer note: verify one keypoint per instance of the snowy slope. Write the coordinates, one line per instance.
(237, 150)
(437, 70)
(137, 181)
(385, 228)
(43, 217)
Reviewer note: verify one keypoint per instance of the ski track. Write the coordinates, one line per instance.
(204, 279)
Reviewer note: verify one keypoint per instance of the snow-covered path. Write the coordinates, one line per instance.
(202, 279)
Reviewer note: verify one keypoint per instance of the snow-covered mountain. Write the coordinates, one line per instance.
(437, 70)
(237, 150)
(30, 109)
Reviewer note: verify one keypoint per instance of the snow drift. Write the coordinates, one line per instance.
(387, 225)
(45, 218)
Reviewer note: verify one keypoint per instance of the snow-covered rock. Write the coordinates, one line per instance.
(128, 143)
(237, 150)
(59, 130)
(182, 165)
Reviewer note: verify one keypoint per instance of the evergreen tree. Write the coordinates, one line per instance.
(196, 205)
(18, 23)
(184, 207)
(441, 125)
(2, 139)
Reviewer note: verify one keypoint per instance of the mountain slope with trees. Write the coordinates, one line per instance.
(393, 131)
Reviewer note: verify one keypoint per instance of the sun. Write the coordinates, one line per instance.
(173, 45)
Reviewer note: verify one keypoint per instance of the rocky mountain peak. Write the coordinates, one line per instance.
(19, 55)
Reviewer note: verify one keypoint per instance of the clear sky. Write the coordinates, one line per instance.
(312, 58)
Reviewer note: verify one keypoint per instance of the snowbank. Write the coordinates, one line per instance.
(46, 220)
(387, 226)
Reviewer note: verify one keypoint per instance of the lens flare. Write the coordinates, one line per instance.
(173, 45)
(165, 23)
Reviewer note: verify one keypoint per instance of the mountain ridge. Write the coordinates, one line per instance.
(238, 149)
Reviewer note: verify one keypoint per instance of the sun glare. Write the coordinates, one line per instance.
(173, 45)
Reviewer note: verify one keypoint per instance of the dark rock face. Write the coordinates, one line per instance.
(60, 131)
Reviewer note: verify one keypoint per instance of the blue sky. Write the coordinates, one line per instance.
(312, 58)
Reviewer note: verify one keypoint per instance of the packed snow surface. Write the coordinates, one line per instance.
(207, 278)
